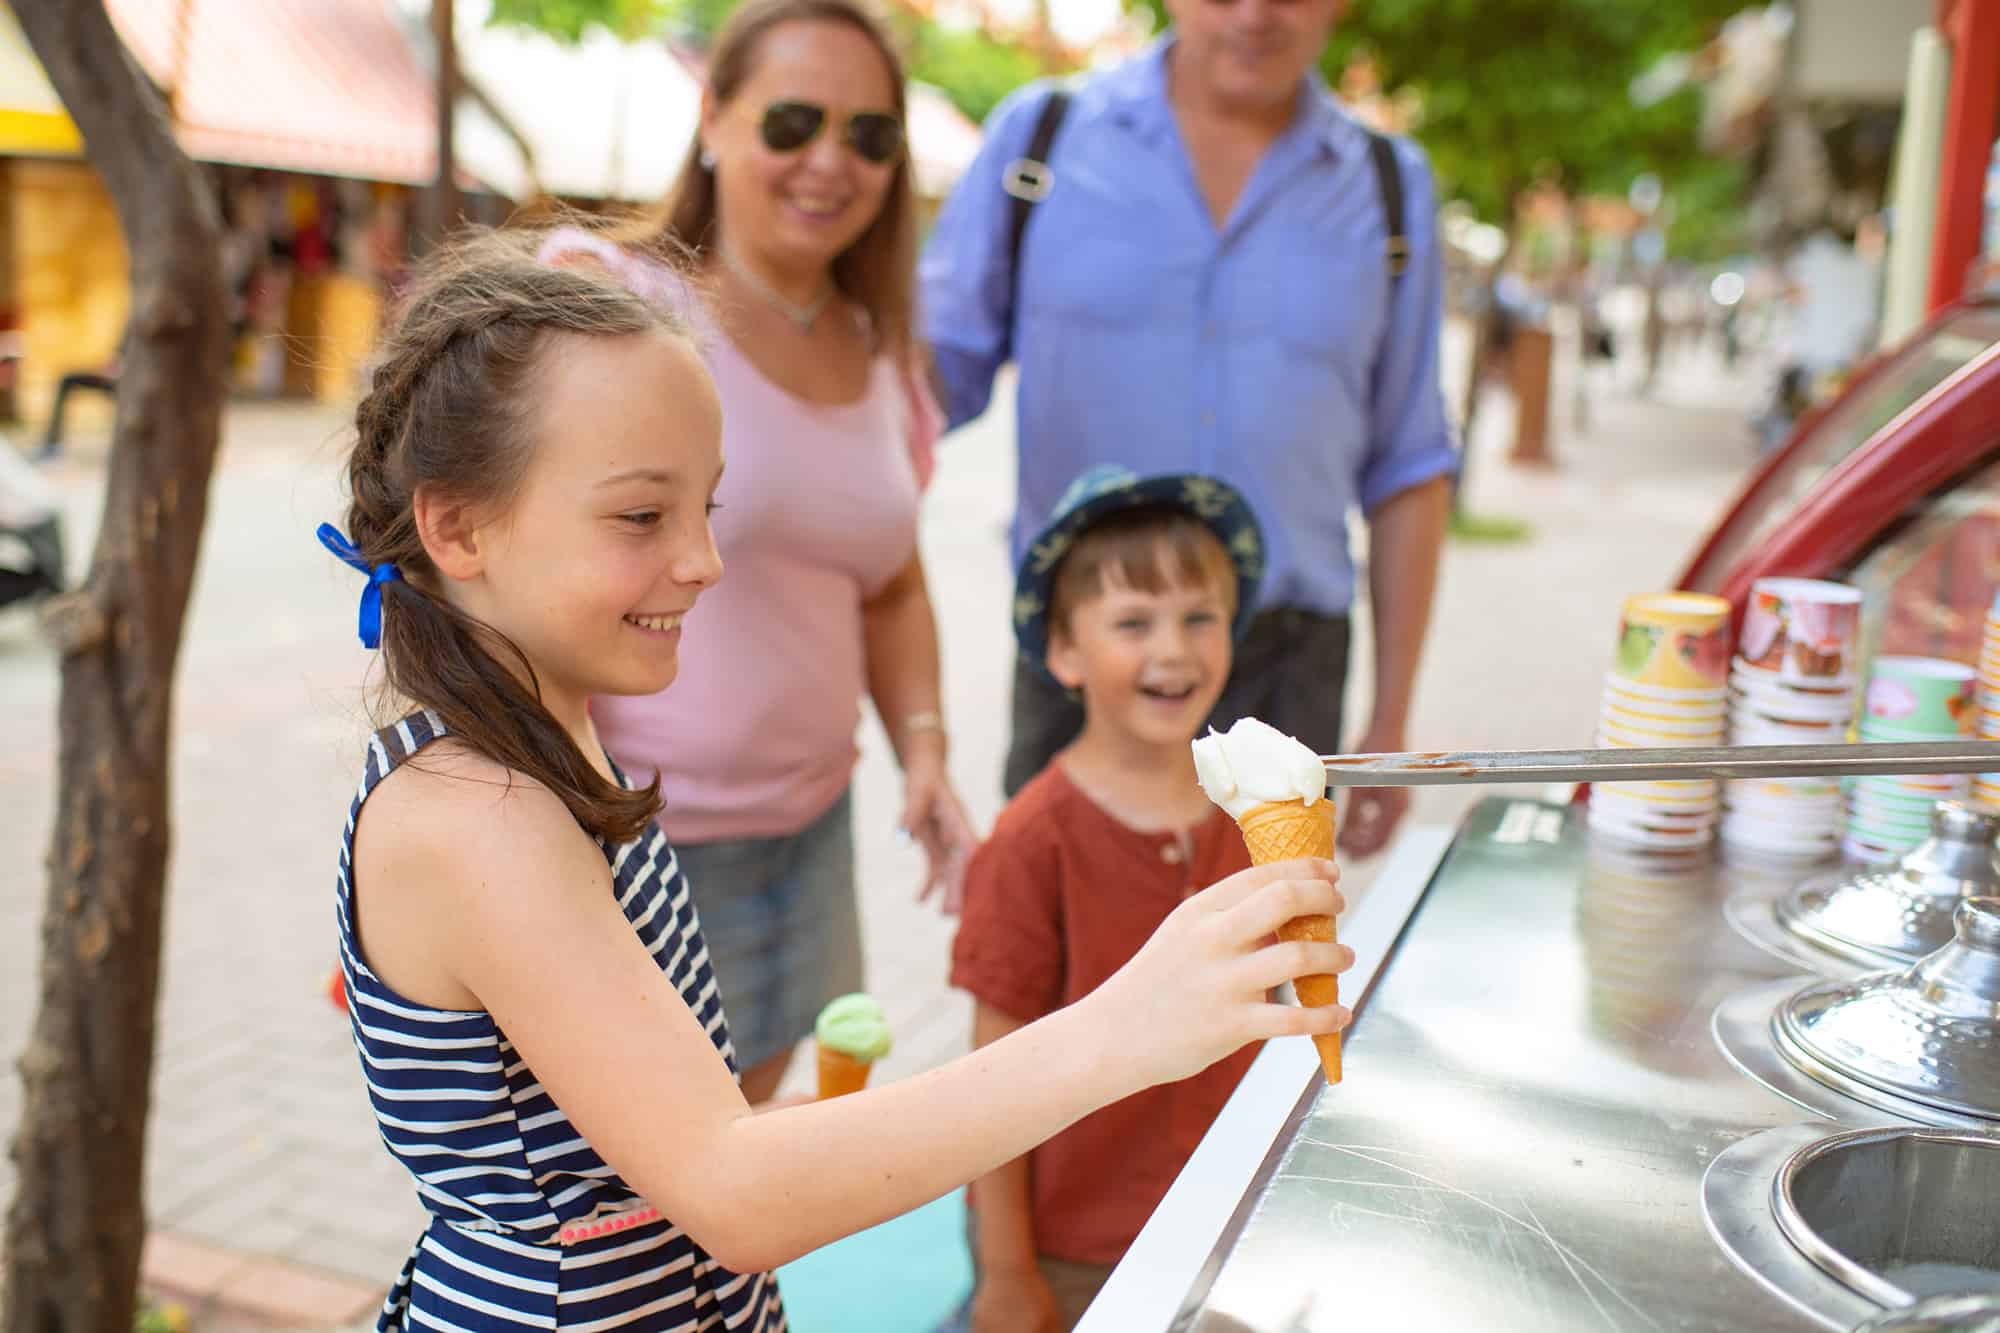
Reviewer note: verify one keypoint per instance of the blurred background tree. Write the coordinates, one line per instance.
(1513, 94)
(570, 19)
(973, 67)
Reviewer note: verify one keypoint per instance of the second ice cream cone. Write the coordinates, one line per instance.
(840, 1073)
(1280, 831)
(851, 1035)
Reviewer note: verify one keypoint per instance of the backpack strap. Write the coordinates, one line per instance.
(1389, 179)
(1029, 178)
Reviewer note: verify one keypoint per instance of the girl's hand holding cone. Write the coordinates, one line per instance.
(1274, 787)
(1272, 832)
(1207, 972)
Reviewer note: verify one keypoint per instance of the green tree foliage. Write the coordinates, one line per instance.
(1708, 221)
(974, 68)
(570, 19)
(1516, 92)
(699, 19)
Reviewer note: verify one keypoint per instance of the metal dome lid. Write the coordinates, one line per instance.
(1928, 1034)
(1895, 916)
(1964, 1312)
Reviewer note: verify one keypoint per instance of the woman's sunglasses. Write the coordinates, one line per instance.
(876, 136)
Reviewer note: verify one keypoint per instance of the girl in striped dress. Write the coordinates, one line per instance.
(532, 1002)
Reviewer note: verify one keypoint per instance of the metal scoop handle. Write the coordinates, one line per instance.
(1467, 767)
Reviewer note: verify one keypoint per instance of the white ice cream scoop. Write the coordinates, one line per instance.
(1254, 763)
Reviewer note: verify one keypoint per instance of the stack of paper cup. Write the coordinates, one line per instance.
(1986, 786)
(1908, 699)
(1793, 682)
(1667, 690)
(1642, 920)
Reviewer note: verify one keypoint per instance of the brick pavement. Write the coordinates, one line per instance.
(261, 1140)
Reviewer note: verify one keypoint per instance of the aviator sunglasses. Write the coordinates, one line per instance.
(875, 136)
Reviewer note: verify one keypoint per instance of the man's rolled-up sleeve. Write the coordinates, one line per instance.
(967, 289)
(1410, 438)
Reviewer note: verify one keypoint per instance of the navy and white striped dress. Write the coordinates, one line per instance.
(529, 1228)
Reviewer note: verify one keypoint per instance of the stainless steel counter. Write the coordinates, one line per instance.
(1531, 1097)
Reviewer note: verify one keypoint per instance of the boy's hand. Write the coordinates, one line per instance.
(1372, 816)
(1016, 1300)
(1373, 812)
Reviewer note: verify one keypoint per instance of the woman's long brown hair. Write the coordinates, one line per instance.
(877, 272)
(450, 407)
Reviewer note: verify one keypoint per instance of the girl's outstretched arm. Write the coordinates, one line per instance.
(489, 889)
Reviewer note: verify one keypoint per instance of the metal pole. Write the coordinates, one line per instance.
(1469, 767)
(444, 191)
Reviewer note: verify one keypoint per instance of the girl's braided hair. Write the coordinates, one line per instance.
(450, 406)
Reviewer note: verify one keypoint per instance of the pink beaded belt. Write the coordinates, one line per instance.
(606, 1224)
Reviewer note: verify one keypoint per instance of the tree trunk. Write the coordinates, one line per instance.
(77, 1221)
(444, 192)
(1485, 333)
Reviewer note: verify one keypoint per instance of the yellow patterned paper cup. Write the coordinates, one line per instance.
(1675, 640)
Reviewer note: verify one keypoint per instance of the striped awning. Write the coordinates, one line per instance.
(32, 120)
(328, 87)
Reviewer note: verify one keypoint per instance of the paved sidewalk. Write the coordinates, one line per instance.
(261, 1138)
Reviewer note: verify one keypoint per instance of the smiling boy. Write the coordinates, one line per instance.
(1131, 598)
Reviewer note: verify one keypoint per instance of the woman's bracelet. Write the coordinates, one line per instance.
(928, 720)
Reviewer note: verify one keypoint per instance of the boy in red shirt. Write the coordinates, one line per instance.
(1132, 597)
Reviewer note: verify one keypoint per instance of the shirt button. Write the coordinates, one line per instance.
(1171, 854)
(1208, 418)
(1208, 332)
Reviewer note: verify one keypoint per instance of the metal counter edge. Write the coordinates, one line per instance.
(1148, 1287)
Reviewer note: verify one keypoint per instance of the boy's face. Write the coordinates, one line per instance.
(1150, 665)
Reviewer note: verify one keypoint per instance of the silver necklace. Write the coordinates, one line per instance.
(803, 316)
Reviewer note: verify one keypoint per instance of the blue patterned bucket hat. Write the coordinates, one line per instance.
(1107, 489)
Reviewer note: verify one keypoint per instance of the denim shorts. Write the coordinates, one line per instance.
(782, 925)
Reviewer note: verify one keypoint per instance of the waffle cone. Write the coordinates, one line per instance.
(1280, 831)
(840, 1073)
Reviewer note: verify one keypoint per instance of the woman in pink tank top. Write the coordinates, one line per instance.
(797, 204)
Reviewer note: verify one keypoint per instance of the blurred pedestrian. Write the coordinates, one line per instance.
(1202, 262)
(797, 204)
(1835, 297)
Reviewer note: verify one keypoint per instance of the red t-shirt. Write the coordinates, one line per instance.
(1056, 900)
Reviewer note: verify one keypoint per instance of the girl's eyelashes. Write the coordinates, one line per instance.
(711, 507)
(642, 518)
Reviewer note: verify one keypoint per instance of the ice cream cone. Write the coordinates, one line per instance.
(1280, 831)
(840, 1073)
(851, 1035)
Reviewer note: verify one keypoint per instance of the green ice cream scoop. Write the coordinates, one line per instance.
(854, 1026)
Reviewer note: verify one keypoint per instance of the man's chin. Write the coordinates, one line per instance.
(1254, 89)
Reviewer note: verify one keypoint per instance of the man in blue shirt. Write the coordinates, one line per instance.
(1206, 288)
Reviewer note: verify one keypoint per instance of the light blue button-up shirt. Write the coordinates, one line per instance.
(1274, 352)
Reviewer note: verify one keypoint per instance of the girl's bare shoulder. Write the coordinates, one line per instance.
(457, 818)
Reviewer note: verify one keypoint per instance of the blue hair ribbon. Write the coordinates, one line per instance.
(371, 596)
